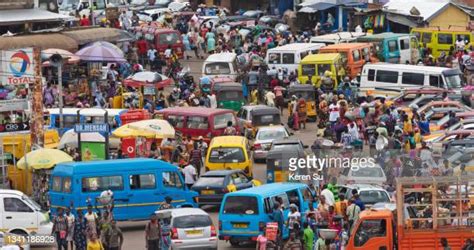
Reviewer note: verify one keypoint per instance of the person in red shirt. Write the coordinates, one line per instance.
(142, 47)
(84, 21)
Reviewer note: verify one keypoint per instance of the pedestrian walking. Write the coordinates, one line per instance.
(80, 226)
(70, 226)
(308, 237)
(152, 233)
(167, 204)
(230, 130)
(114, 237)
(92, 222)
(196, 158)
(60, 229)
(165, 234)
(190, 175)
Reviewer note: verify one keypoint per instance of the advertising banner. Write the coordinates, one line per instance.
(93, 151)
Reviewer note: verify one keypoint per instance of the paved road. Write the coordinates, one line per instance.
(134, 231)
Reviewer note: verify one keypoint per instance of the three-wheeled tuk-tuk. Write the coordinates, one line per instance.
(229, 96)
(278, 160)
(308, 92)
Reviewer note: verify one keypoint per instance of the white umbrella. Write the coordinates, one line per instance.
(70, 138)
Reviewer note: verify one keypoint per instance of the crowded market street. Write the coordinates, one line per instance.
(209, 124)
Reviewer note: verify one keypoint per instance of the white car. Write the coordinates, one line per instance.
(264, 139)
(363, 174)
(192, 228)
(369, 194)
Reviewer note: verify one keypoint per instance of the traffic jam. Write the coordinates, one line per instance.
(287, 125)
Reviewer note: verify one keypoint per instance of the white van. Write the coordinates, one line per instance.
(221, 65)
(335, 38)
(384, 79)
(21, 215)
(289, 56)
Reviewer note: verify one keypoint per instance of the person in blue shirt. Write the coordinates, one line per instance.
(277, 216)
(424, 125)
(358, 201)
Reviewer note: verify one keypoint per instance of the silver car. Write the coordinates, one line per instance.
(264, 139)
(192, 228)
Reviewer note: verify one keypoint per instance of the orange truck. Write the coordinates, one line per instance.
(387, 230)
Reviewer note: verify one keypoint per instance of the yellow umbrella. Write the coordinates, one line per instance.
(153, 128)
(44, 158)
(125, 131)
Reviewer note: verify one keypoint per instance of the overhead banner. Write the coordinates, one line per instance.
(93, 151)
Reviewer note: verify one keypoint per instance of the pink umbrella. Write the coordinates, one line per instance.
(101, 52)
(70, 58)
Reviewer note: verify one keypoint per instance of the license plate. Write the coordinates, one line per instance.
(208, 192)
(241, 226)
(194, 232)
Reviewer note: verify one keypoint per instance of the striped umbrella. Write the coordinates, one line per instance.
(101, 52)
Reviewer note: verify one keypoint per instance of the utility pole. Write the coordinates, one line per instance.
(36, 121)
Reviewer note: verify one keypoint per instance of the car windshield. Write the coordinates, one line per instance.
(368, 172)
(373, 196)
(169, 39)
(271, 135)
(214, 181)
(32, 203)
(189, 221)
(216, 68)
(241, 205)
(259, 120)
(222, 155)
(307, 95)
(453, 81)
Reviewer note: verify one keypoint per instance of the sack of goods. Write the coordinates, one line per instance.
(105, 197)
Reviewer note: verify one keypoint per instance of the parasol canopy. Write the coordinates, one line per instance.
(69, 57)
(101, 52)
(153, 128)
(44, 158)
(148, 78)
(69, 138)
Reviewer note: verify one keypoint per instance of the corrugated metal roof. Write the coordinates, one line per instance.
(427, 8)
(84, 36)
(43, 41)
(32, 15)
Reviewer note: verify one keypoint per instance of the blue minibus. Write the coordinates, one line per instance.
(394, 47)
(89, 115)
(139, 186)
(244, 214)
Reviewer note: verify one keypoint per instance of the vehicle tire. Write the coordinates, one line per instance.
(19, 232)
(234, 243)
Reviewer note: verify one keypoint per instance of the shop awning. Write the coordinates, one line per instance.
(29, 15)
(308, 10)
(85, 36)
(42, 41)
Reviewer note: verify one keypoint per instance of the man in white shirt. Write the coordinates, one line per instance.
(333, 112)
(213, 101)
(190, 174)
(328, 195)
(151, 53)
(270, 97)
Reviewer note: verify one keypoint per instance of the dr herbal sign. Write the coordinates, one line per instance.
(17, 67)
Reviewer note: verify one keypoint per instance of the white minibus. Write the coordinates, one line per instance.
(289, 56)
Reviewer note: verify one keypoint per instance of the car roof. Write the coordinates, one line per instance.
(221, 172)
(221, 57)
(228, 140)
(193, 111)
(272, 127)
(178, 212)
(320, 57)
(345, 46)
(268, 189)
(10, 192)
(364, 187)
(110, 166)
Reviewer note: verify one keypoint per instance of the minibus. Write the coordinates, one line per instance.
(221, 65)
(335, 38)
(290, 55)
(394, 47)
(354, 55)
(229, 152)
(161, 38)
(441, 40)
(198, 121)
(315, 66)
(244, 214)
(89, 115)
(382, 79)
(139, 186)
(21, 215)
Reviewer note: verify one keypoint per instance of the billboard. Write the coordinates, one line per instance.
(93, 151)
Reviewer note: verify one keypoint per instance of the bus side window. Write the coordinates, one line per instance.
(267, 206)
(434, 81)
(172, 179)
(426, 37)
